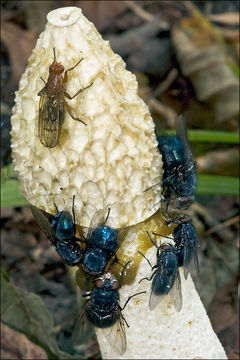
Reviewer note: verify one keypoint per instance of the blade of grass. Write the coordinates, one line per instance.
(207, 184)
(10, 193)
(221, 185)
(210, 136)
(11, 196)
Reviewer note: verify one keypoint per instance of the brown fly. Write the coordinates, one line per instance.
(52, 104)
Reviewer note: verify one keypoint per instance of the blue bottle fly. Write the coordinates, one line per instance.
(166, 278)
(186, 244)
(61, 232)
(180, 174)
(101, 244)
(102, 310)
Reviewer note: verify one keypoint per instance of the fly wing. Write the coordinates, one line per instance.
(157, 283)
(190, 254)
(44, 224)
(116, 335)
(176, 293)
(99, 218)
(181, 132)
(128, 233)
(51, 117)
(196, 263)
(82, 328)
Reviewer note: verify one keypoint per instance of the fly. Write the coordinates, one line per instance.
(102, 310)
(61, 233)
(186, 244)
(52, 104)
(166, 278)
(180, 174)
(101, 243)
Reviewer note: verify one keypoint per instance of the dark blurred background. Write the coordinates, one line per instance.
(156, 40)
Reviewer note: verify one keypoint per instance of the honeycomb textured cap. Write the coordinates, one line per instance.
(109, 162)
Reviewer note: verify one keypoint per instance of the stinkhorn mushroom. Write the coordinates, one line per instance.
(108, 163)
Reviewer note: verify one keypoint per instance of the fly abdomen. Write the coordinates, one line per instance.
(101, 318)
(71, 254)
(62, 225)
(163, 283)
(102, 309)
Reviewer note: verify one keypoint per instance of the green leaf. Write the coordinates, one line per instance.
(222, 185)
(25, 312)
(11, 196)
(210, 136)
(10, 193)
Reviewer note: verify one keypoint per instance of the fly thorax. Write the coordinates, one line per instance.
(105, 238)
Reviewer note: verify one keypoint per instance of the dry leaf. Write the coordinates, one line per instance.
(19, 44)
(17, 346)
(102, 13)
(222, 310)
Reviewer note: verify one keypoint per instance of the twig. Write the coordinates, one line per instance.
(230, 34)
(168, 113)
(225, 234)
(222, 225)
(165, 84)
(146, 15)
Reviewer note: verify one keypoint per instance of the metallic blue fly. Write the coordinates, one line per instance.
(186, 244)
(101, 244)
(180, 173)
(102, 310)
(166, 278)
(61, 232)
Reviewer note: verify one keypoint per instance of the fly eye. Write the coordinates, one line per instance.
(98, 283)
(60, 68)
(164, 247)
(185, 219)
(115, 285)
(56, 68)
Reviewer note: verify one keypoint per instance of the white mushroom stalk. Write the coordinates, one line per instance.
(108, 163)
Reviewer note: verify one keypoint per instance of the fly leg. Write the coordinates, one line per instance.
(84, 239)
(43, 81)
(151, 187)
(113, 260)
(65, 79)
(124, 318)
(151, 240)
(43, 91)
(146, 278)
(107, 216)
(77, 93)
(71, 114)
(56, 207)
(84, 290)
(73, 212)
(130, 297)
(166, 236)
(152, 267)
